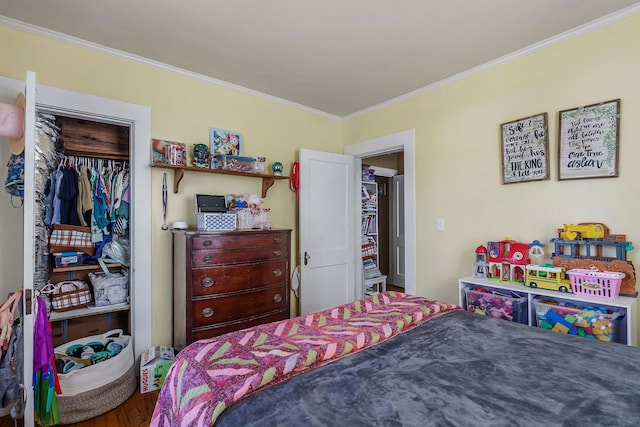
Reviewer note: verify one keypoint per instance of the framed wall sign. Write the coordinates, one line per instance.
(588, 141)
(525, 148)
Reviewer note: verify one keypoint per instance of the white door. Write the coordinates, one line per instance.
(327, 230)
(397, 259)
(29, 242)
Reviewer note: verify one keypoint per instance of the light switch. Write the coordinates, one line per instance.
(440, 224)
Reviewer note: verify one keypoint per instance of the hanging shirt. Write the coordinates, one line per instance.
(68, 194)
(99, 219)
(55, 201)
(85, 201)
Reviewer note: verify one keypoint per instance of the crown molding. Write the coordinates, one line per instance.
(575, 32)
(64, 38)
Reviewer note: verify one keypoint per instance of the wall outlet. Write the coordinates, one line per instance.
(440, 224)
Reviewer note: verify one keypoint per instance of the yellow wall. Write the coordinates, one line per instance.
(457, 144)
(458, 152)
(183, 109)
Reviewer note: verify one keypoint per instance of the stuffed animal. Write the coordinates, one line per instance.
(253, 200)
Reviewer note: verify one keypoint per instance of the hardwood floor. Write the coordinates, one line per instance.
(135, 412)
(395, 288)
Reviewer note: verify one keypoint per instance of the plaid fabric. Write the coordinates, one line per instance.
(69, 300)
(66, 238)
(68, 295)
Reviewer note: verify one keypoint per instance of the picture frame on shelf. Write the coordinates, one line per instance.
(222, 141)
(525, 149)
(588, 139)
(165, 152)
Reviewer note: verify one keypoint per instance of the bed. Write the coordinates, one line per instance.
(397, 360)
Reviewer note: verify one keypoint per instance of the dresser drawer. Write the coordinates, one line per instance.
(213, 331)
(212, 257)
(238, 277)
(248, 240)
(224, 309)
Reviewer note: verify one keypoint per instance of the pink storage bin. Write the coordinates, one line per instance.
(595, 283)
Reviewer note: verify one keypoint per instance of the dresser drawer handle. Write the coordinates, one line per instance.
(277, 252)
(207, 258)
(207, 243)
(207, 282)
(277, 239)
(207, 312)
(277, 272)
(277, 298)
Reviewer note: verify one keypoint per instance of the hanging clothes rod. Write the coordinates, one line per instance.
(98, 163)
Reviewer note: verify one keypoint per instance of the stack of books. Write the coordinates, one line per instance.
(370, 268)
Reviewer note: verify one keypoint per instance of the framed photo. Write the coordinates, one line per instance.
(588, 141)
(168, 152)
(223, 141)
(525, 149)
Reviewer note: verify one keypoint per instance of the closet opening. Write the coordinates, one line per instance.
(82, 182)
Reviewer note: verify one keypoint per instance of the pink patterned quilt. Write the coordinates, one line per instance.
(209, 375)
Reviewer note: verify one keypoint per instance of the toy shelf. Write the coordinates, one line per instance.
(627, 304)
(179, 170)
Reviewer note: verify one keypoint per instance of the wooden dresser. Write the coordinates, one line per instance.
(228, 280)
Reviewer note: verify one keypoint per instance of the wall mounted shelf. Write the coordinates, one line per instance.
(179, 170)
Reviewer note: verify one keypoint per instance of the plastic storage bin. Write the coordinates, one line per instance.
(68, 259)
(571, 317)
(594, 283)
(234, 163)
(497, 303)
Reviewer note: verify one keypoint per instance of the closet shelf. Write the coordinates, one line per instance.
(86, 267)
(178, 171)
(56, 316)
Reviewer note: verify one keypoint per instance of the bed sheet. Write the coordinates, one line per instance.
(460, 369)
(209, 375)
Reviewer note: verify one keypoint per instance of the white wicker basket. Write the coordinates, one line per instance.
(249, 218)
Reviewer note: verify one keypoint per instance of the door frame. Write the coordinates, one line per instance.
(400, 141)
(138, 117)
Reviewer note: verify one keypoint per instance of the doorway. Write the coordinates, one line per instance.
(387, 168)
(401, 142)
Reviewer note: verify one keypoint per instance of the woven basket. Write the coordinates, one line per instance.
(90, 404)
(249, 218)
(97, 389)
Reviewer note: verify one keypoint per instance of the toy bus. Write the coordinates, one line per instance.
(547, 277)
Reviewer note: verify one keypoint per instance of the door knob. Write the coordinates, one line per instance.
(306, 257)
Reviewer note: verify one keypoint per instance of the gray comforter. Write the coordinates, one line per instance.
(459, 369)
